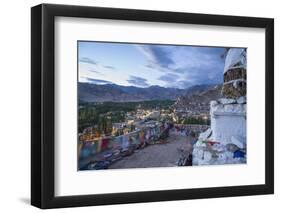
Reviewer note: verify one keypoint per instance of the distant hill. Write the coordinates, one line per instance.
(111, 92)
(197, 89)
(199, 100)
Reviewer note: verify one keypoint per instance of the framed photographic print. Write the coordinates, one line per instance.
(139, 106)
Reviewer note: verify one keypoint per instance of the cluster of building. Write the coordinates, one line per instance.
(191, 108)
(181, 115)
(140, 128)
(100, 152)
(196, 105)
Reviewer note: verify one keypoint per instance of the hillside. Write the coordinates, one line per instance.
(199, 100)
(115, 93)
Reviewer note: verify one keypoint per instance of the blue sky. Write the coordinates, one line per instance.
(144, 65)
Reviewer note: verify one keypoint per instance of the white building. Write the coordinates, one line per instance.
(225, 141)
(228, 120)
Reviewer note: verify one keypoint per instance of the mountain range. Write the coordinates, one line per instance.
(88, 92)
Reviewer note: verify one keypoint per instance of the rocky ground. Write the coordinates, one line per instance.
(157, 155)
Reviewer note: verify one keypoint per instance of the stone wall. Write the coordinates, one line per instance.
(236, 73)
(234, 89)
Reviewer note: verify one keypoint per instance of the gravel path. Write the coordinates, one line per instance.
(157, 155)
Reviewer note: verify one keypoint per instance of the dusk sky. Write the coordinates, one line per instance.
(144, 65)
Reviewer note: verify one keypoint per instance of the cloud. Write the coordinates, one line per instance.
(169, 78)
(98, 81)
(197, 65)
(161, 56)
(184, 66)
(150, 66)
(157, 55)
(192, 64)
(87, 60)
(196, 57)
(138, 81)
(97, 72)
(176, 66)
(184, 84)
(109, 67)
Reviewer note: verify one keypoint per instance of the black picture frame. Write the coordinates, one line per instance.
(43, 102)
